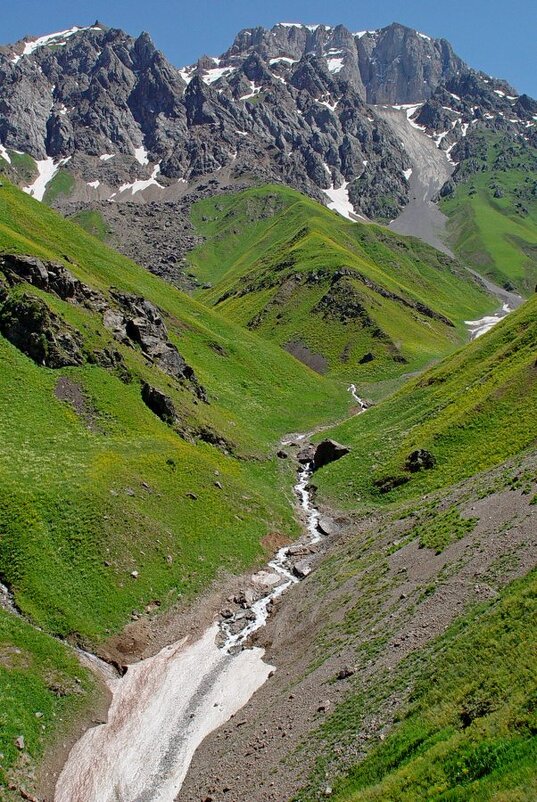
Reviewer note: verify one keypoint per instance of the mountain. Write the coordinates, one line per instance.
(100, 116)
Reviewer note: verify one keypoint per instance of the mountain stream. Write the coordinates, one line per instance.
(164, 706)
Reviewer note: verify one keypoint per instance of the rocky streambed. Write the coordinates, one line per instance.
(164, 706)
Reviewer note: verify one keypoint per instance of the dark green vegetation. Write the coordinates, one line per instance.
(472, 412)
(352, 300)
(104, 507)
(493, 210)
(469, 729)
(93, 222)
(62, 184)
(42, 688)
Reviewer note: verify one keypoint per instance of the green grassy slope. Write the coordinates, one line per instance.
(493, 211)
(469, 731)
(43, 688)
(472, 412)
(89, 496)
(66, 489)
(298, 273)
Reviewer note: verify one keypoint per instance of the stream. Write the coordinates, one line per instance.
(164, 706)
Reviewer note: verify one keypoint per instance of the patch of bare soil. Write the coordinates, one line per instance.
(374, 600)
(316, 362)
(72, 393)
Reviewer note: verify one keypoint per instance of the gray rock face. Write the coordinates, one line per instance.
(34, 329)
(42, 335)
(288, 105)
(294, 105)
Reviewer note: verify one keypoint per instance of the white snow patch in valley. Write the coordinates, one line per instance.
(187, 73)
(448, 154)
(499, 92)
(161, 711)
(94, 184)
(46, 172)
(359, 34)
(331, 106)
(56, 39)
(4, 154)
(484, 324)
(334, 65)
(407, 173)
(464, 129)
(140, 185)
(424, 36)
(439, 137)
(106, 156)
(141, 155)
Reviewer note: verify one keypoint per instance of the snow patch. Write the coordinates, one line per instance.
(424, 36)
(55, 39)
(141, 156)
(301, 25)
(407, 173)
(4, 154)
(283, 60)
(254, 90)
(139, 186)
(334, 65)
(94, 184)
(339, 201)
(215, 74)
(484, 324)
(46, 172)
(106, 156)
(360, 34)
(187, 73)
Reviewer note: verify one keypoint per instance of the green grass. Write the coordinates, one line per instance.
(93, 223)
(469, 730)
(62, 184)
(86, 499)
(497, 236)
(273, 258)
(22, 167)
(442, 529)
(38, 675)
(65, 503)
(472, 412)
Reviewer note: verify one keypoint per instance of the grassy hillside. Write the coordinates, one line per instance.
(493, 211)
(355, 301)
(104, 508)
(468, 730)
(476, 409)
(62, 470)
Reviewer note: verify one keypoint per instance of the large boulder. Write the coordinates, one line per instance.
(328, 451)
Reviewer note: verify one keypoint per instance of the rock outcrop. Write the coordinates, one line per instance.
(328, 451)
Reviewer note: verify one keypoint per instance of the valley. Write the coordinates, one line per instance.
(268, 417)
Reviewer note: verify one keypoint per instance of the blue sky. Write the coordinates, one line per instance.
(497, 36)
